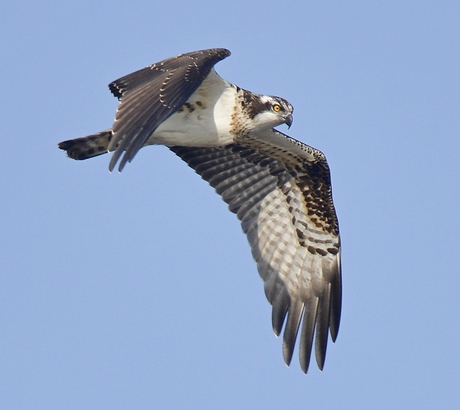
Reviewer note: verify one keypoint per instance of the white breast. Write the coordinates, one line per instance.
(204, 120)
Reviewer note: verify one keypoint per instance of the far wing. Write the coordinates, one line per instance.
(149, 96)
(280, 190)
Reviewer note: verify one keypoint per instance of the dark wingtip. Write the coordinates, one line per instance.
(288, 350)
(113, 161)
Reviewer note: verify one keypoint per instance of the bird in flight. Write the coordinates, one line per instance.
(279, 188)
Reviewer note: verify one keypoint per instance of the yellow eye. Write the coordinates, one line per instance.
(277, 108)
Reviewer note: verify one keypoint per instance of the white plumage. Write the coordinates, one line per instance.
(278, 187)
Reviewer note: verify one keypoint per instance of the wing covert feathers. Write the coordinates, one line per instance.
(151, 95)
(280, 190)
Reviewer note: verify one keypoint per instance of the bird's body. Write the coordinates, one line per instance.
(278, 187)
(203, 120)
(181, 101)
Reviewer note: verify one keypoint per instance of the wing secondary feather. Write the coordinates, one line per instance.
(280, 190)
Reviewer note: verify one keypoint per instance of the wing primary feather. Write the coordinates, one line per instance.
(260, 187)
(115, 157)
(279, 311)
(336, 300)
(307, 332)
(290, 331)
(322, 327)
(279, 188)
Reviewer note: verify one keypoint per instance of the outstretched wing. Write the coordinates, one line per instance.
(280, 189)
(149, 96)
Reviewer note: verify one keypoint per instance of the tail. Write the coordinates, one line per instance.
(87, 147)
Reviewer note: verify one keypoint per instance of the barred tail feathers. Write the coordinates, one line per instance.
(87, 147)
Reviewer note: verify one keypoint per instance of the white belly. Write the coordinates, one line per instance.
(204, 120)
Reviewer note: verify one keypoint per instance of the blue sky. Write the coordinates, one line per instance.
(137, 290)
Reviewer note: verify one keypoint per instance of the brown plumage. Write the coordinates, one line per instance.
(279, 188)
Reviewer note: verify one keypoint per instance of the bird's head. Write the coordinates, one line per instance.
(268, 111)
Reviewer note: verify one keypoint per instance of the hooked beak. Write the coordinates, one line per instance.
(288, 120)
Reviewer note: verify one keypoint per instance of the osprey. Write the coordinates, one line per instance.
(278, 187)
